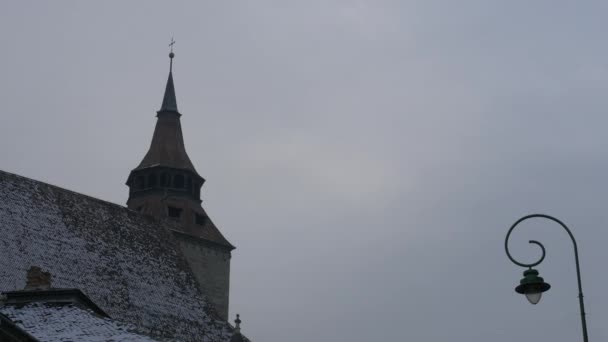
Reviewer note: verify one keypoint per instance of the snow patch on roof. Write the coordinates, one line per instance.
(54, 323)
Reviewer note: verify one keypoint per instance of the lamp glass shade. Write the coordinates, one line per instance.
(534, 297)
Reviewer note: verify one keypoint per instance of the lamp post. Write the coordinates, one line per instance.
(532, 285)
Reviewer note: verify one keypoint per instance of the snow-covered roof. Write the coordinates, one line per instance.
(129, 264)
(54, 323)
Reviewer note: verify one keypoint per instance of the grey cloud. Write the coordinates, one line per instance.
(365, 157)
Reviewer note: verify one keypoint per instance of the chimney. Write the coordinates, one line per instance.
(37, 280)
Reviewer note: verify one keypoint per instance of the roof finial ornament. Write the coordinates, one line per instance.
(236, 335)
(171, 54)
(237, 321)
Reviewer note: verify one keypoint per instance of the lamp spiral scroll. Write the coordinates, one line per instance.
(521, 263)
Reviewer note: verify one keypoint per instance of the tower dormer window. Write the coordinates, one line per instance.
(174, 212)
(200, 219)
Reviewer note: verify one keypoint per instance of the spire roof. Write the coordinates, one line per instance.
(167, 148)
(169, 100)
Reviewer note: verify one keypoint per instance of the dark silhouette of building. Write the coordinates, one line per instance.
(159, 266)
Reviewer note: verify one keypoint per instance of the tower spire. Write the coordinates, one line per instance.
(165, 185)
(169, 100)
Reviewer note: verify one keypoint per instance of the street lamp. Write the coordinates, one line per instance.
(532, 285)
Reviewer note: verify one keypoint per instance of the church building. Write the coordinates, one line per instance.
(74, 267)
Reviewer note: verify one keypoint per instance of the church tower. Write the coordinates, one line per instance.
(167, 186)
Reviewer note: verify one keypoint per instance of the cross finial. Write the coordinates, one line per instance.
(171, 54)
(172, 43)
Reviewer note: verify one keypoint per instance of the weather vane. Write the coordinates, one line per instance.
(171, 44)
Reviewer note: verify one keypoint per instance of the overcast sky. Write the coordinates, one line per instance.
(365, 157)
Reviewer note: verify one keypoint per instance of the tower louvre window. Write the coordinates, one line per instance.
(178, 181)
(151, 180)
(139, 182)
(174, 212)
(197, 189)
(163, 179)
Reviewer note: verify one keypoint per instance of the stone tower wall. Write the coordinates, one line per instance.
(211, 267)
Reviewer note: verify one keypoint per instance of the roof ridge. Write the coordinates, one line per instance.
(64, 189)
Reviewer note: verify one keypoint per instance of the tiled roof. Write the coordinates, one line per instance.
(54, 323)
(129, 264)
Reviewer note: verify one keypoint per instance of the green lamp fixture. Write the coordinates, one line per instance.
(532, 286)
